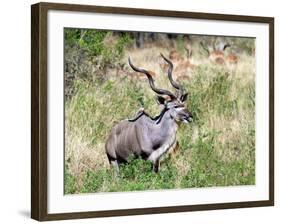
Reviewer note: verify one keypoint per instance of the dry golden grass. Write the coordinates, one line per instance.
(220, 133)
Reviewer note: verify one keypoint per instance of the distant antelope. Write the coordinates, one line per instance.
(218, 55)
(232, 58)
(147, 137)
(184, 70)
(183, 66)
(188, 46)
(175, 56)
(133, 75)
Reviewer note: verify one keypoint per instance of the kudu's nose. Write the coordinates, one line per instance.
(190, 117)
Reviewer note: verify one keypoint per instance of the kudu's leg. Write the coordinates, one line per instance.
(156, 166)
(115, 165)
(154, 158)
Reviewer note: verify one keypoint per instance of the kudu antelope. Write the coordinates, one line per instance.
(147, 137)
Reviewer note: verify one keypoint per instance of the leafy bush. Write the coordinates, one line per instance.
(90, 53)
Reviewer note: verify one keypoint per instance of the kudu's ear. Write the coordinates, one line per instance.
(161, 100)
(184, 97)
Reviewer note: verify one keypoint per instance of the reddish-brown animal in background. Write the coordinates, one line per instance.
(215, 56)
(219, 60)
(141, 76)
(183, 66)
(133, 75)
(219, 57)
(188, 46)
(183, 70)
(175, 56)
(232, 58)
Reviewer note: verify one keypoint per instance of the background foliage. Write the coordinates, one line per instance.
(217, 149)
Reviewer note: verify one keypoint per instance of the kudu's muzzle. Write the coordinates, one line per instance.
(187, 117)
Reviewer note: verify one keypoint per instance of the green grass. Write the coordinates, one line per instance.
(135, 176)
(217, 149)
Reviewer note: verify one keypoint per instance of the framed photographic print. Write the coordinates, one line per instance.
(138, 111)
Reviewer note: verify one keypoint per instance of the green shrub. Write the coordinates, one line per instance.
(87, 52)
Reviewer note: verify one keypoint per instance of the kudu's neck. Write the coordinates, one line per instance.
(166, 122)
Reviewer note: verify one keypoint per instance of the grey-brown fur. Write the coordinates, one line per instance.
(146, 137)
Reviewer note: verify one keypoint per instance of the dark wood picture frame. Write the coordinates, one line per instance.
(39, 149)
